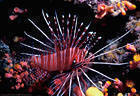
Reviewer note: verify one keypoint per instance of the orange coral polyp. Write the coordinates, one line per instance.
(131, 47)
(130, 83)
(129, 5)
(117, 81)
(133, 90)
(107, 84)
(105, 90)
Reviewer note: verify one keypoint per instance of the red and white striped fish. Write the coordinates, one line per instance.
(69, 48)
(66, 52)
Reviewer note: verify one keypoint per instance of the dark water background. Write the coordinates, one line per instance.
(108, 27)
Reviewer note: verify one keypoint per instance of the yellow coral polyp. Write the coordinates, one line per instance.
(119, 94)
(116, 79)
(134, 6)
(93, 91)
(136, 58)
(108, 82)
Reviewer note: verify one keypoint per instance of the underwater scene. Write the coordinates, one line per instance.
(70, 48)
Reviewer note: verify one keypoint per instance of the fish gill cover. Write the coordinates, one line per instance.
(71, 48)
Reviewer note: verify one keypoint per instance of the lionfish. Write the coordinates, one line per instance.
(67, 53)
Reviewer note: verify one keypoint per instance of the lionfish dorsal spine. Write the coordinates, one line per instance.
(41, 31)
(38, 40)
(63, 21)
(58, 23)
(71, 31)
(82, 36)
(68, 23)
(76, 33)
(38, 49)
(75, 26)
(51, 29)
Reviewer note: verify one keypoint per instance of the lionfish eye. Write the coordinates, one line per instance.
(74, 61)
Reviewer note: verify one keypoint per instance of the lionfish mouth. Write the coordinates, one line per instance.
(77, 65)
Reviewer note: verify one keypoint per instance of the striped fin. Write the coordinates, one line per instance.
(41, 31)
(46, 18)
(58, 23)
(63, 36)
(38, 41)
(83, 33)
(38, 49)
(68, 30)
(76, 33)
(57, 30)
(55, 37)
(73, 22)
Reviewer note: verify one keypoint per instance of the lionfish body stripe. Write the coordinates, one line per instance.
(53, 62)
